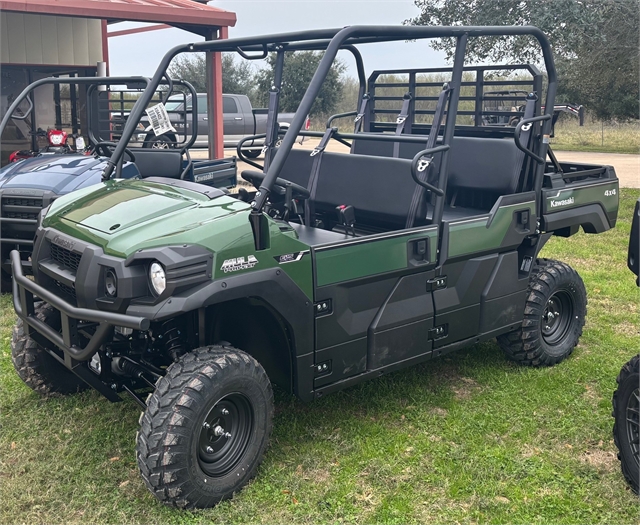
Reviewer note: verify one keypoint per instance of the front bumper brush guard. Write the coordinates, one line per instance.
(24, 290)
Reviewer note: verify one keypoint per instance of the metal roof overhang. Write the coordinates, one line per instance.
(189, 15)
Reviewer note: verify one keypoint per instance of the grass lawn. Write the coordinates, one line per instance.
(596, 137)
(467, 438)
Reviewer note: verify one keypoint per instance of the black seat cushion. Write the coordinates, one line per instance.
(316, 236)
(380, 189)
(491, 165)
(487, 164)
(159, 163)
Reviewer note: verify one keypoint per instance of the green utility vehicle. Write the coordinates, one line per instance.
(420, 240)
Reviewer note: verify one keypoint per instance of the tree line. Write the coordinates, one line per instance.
(595, 45)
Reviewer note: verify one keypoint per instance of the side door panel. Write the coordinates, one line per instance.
(477, 254)
(372, 304)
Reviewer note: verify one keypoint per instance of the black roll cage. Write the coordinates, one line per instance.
(332, 41)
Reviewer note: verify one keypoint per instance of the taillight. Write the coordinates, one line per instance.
(307, 124)
(14, 156)
(56, 137)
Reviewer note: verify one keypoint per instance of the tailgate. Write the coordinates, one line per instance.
(580, 195)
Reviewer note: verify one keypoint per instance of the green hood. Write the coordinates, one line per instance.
(123, 216)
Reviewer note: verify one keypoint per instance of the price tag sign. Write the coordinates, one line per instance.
(159, 118)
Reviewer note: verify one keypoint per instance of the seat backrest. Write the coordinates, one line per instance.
(381, 148)
(297, 167)
(159, 162)
(379, 188)
(491, 165)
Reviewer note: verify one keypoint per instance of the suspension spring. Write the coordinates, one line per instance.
(172, 339)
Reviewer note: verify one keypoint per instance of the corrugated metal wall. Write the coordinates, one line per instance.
(49, 40)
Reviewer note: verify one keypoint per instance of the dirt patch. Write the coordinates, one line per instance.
(437, 411)
(464, 388)
(601, 460)
(627, 328)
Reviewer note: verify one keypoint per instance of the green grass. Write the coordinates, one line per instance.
(596, 137)
(467, 438)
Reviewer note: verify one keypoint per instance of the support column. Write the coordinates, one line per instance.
(214, 97)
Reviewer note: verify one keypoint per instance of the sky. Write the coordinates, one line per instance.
(139, 54)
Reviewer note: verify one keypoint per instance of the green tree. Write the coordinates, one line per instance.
(595, 44)
(299, 68)
(238, 76)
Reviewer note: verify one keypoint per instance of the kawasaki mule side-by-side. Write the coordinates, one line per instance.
(340, 267)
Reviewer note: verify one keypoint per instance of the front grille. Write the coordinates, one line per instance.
(24, 215)
(65, 257)
(21, 201)
(67, 289)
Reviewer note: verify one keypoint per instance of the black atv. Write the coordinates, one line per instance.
(626, 399)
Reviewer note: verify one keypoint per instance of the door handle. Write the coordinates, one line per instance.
(238, 118)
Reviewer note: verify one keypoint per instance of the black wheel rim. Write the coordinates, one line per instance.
(160, 145)
(557, 317)
(633, 423)
(225, 434)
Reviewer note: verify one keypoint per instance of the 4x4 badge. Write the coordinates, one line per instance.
(240, 263)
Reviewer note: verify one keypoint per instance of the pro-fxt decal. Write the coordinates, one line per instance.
(289, 257)
(239, 263)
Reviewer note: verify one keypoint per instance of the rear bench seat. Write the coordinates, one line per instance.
(480, 167)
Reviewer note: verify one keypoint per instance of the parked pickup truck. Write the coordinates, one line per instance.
(240, 120)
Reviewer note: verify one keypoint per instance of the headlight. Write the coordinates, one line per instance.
(110, 283)
(157, 277)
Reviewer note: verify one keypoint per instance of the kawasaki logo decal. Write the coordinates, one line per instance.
(563, 202)
(240, 263)
(63, 242)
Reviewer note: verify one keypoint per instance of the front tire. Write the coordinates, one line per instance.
(626, 429)
(554, 316)
(206, 427)
(6, 283)
(35, 366)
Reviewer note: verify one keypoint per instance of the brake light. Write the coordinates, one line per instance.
(307, 124)
(56, 137)
(15, 156)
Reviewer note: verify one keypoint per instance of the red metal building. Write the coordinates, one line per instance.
(41, 38)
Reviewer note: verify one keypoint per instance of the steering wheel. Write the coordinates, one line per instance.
(104, 149)
(280, 187)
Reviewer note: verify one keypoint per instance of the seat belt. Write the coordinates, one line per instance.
(359, 120)
(272, 127)
(529, 111)
(425, 163)
(312, 185)
(401, 122)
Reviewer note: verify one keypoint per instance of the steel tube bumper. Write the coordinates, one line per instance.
(24, 290)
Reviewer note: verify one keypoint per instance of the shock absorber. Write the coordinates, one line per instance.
(172, 339)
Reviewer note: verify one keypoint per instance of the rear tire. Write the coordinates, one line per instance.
(554, 316)
(252, 153)
(206, 427)
(35, 366)
(161, 142)
(626, 428)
